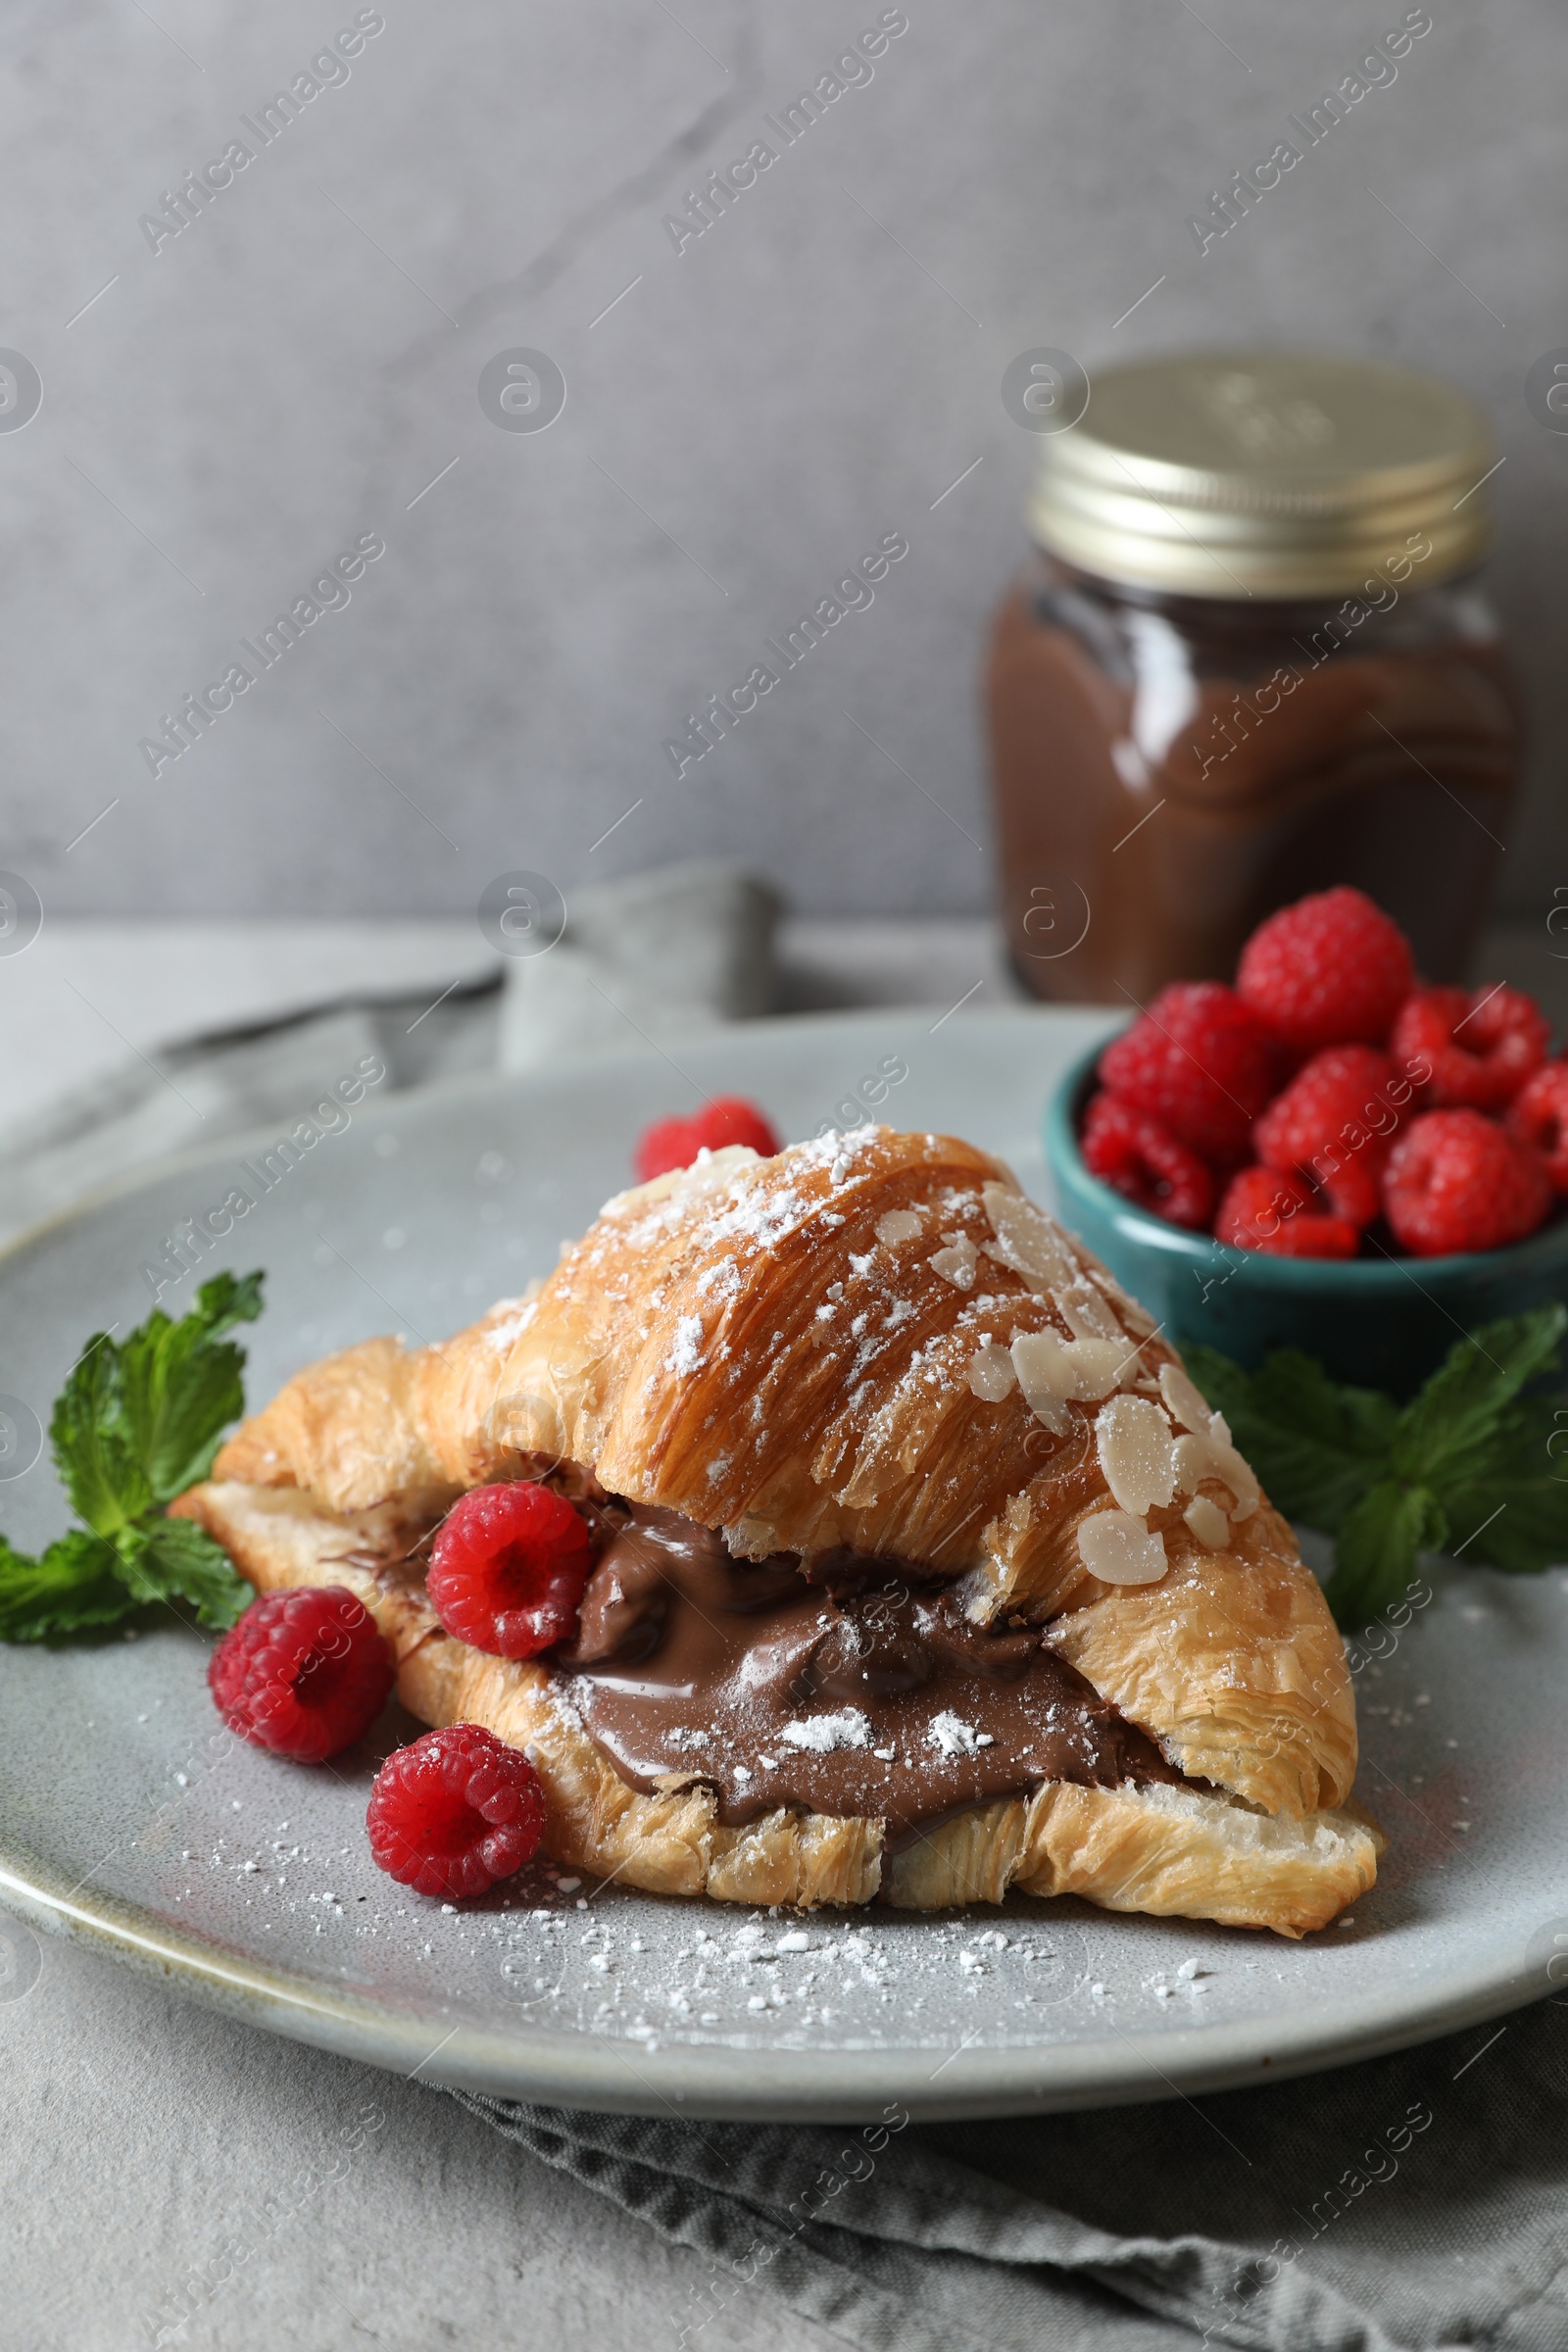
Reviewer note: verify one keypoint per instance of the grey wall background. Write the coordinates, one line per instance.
(296, 368)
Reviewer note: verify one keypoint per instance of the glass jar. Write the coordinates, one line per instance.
(1249, 659)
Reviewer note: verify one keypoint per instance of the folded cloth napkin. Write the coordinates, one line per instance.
(678, 950)
(650, 956)
(1414, 2201)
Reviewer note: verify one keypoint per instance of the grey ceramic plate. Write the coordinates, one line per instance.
(128, 1817)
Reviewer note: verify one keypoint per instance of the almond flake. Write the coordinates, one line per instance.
(1187, 1408)
(1085, 1311)
(899, 1225)
(1027, 1240)
(1051, 1369)
(1137, 1453)
(956, 1262)
(1213, 1455)
(1120, 1550)
(1207, 1522)
(991, 1373)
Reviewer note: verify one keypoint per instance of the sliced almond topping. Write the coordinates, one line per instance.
(1187, 1408)
(1207, 1522)
(1127, 1309)
(1120, 1550)
(956, 1262)
(1051, 1369)
(1026, 1239)
(991, 1373)
(1137, 1453)
(899, 1225)
(1085, 1311)
(1043, 1378)
(1213, 1457)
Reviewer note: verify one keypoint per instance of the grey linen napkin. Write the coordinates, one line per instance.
(1414, 2201)
(676, 949)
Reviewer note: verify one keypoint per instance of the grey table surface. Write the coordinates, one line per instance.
(143, 2133)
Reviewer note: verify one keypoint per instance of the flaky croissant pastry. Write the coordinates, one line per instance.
(924, 1571)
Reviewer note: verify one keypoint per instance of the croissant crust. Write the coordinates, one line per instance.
(783, 1348)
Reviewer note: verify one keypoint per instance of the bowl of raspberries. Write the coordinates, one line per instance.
(1327, 1154)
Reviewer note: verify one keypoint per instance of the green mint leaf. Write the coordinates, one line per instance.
(1317, 1447)
(1511, 1508)
(1448, 1432)
(92, 1449)
(175, 1561)
(72, 1588)
(1294, 1388)
(1376, 1548)
(180, 1385)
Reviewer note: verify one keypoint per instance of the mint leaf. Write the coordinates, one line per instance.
(69, 1590)
(1458, 1415)
(93, 1452)
(1510, 1508)
(133, 1427)
(180, 1385)
(173, 1561)
(1375, 1552)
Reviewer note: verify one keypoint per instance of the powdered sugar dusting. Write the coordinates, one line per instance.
(822, 1734)
(956, 1737)
(686, 1352)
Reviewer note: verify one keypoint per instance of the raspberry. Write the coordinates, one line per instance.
(508, 1567)
(1131, 1151)
(455, 1811)
(1330, 970)
(1272, 1210)
(1539, 1117)
(1199, 1060)
(1480, 1048)
(1455, 1181)
(1335, 1122)
(304, 1672)
(726, 1119)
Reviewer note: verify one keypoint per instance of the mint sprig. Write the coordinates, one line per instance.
(136, 1424)
(1468, 1464)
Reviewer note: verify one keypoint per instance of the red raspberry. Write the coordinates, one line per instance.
(1330, 970)
(1335, 1122)
(1537, 1116)
(1480, 1048)
(726, 1119)
(1127, 1149)
(303, 1672)
(508, 1567)
(1272, 1210)
(455, 1811)
(1455, 1181)
(1199, 1060)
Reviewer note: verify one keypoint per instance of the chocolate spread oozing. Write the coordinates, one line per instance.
(862, 1692)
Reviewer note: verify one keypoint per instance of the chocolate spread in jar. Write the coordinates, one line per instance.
(1181, 767)
(1252, 657)
(863, 1693)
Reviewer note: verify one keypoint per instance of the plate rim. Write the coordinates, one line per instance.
(580, 2067)
(576, 2067)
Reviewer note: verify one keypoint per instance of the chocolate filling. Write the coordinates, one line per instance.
(854, 1687)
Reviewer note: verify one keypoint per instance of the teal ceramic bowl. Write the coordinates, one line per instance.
(1381, 1322)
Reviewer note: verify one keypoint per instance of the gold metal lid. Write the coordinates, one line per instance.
(1268, 474)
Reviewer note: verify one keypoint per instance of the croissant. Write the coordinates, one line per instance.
(867, 1375)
